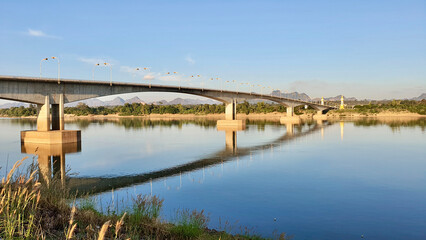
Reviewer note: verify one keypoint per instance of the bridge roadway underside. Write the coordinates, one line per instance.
(50, 95)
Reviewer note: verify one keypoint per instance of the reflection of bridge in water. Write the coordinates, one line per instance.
(51, 154)
(101, 184)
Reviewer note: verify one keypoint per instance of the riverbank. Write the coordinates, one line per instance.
(251, 116)
(30, 207)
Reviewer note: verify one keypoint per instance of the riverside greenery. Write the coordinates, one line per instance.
(137, 109)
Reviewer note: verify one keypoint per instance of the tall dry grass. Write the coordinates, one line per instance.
(32, 210)
(20, 216)
(19, 200)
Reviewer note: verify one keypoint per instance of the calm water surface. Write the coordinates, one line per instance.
(338, 180)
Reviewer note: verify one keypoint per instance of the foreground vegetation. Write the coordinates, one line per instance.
(30, 209)
(137, 109)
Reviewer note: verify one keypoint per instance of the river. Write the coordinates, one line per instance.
(330, 180)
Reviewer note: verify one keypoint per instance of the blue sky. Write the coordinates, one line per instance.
(365, 49)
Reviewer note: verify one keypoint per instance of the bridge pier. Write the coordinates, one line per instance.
(290, 118)
(320, 115)
(47, 134)
(58, 114)
(43, 118)
(231, 116)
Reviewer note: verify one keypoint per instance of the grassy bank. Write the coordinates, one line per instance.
(395, 106)
(136, 109)
(30, 209)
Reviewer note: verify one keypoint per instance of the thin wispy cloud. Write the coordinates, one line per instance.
(39, 33)
(189, 60)
(128, 69)
(149, 76)
(145, 74)
(307, 84)
(96, 60)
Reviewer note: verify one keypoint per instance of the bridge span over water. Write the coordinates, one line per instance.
(50, 95)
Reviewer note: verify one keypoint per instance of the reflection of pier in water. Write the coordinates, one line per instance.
(231, 152)
(51, 154)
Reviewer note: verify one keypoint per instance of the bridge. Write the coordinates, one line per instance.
(50, 95)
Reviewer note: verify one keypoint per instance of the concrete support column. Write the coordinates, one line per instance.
(61, 112)
(290, 117)
(320, 115)
(290, 111)
(58, 114)
(43, 119)
(55, 117)
(231, 117)
(231, 110)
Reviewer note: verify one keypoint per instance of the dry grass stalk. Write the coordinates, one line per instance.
(18, 205)
(103, 230)
(72, 226)
(118, 225)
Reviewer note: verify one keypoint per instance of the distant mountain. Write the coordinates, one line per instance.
(14, 104)
(419, 98)
(135, 100)
(118, 101)
(191, 101)
(335, 99)
(89, 102)
(293, 95)
(185, 101)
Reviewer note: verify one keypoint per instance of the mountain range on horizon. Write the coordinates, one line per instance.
(118, 101)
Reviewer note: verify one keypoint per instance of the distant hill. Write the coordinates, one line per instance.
(293, 95)
(118, 101)
(89, 102)
(191, 101)
(14, 104)
(419, 98)
(335, 99)
(135, 100)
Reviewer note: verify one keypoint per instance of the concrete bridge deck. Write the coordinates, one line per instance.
(34, 90)
(50, 95)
